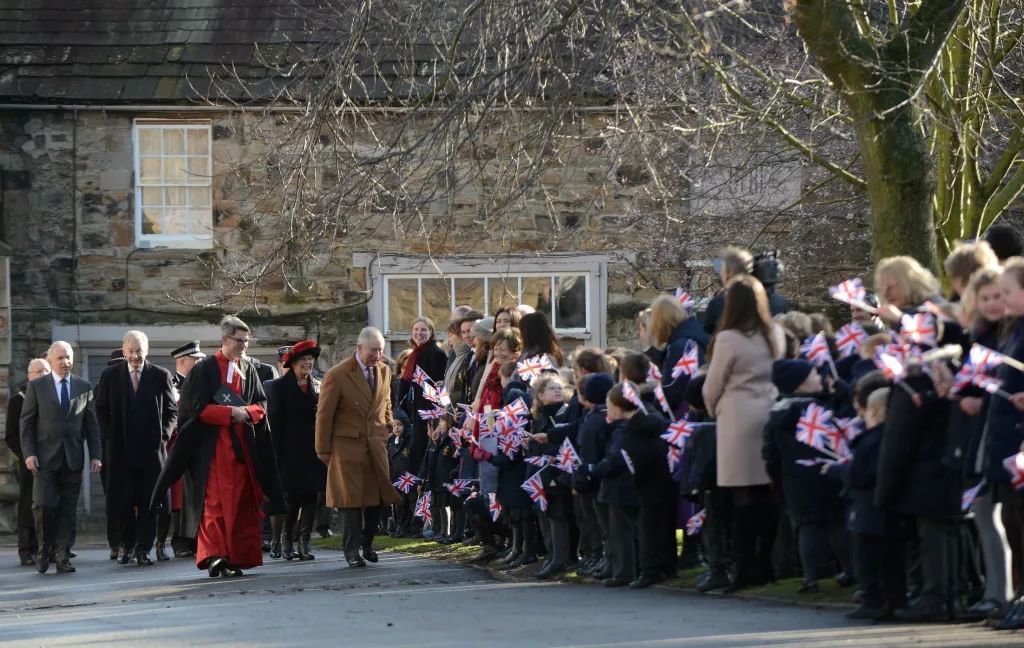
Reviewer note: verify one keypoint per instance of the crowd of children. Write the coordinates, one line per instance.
(886, 454)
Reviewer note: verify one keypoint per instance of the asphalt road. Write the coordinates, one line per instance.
(404, 601)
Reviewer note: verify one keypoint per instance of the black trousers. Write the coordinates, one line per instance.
(323, 514)
(657, 533)
(818, 542)
(302, 510)
(113, 526)
(55, 496)
(938, 561)
(714, 534)
(755, 516)
(591, 544)
(358, 526)
(622, 536)
(880, 565)
(28, 543)
(136, 522)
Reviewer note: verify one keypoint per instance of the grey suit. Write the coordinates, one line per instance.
(58, 441)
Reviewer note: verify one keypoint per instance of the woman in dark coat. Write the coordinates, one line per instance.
(427, 356)
(675, 330)
(292, 413)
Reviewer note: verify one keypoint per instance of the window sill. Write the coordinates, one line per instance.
(189, 243)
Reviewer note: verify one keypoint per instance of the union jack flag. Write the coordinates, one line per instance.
(969, 495)
(891, 368)
(653, 373)
(919, 329)
(494, 506)
(420, 377)
(629, 461)
(659, 393)
(567, 459)
(509, 445)
(988, 383)
(437, 395)
(678, 432)
(837, 440)
(675, 455)
(684, 298)
(984, 357)
(423, 507)
(534, 487)
(630, 393)
(688, 363)
(1015, 466)
(815, 349)
(849, 338)
(533, 367)
(458, 485)
(515, 409)
(406, 481)
(541, 460)
(850, 427)
(432, 414)
(814, 426)
(849, 291)
(695, 523)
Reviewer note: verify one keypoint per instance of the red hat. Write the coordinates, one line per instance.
(299, 349)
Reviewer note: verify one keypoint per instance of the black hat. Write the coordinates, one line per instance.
(788, 375)
(116, 356)
(188, 350)
(595, 387)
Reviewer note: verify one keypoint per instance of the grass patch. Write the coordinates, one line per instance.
(784, 590)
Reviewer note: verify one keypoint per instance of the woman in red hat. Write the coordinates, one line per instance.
(292, 412)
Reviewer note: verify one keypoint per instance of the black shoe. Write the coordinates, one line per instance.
(215, 566)
(288, 550)
(1014, 619)
(355, 561)
(870, 612)
(43, 560)
(981, 610)
(64, 565)
(712, 581)
(325, 532)
(487, 554)
(471, 540)
(114, 553)
(922, 613)
(123, 556)
(275, 550)
(510, 558)
(266, 546)
(142, 558)
(552, 570)
(72, 554)
(845, 579)
(27, 560)
(230, 571)
(304, 553)
(646, 581)
(523, 560)
(808, 587)
(161, 554)
(615, 582)
(370, 555)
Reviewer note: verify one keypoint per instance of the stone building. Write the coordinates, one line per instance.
(119, 191)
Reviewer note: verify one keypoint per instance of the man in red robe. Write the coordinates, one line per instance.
(224, 453)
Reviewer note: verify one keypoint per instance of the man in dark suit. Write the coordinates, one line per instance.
(137, 409)
(57, 420)
(28, 543)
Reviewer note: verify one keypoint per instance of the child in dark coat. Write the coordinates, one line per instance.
(399, 446)
(590, 443)
(811, 500)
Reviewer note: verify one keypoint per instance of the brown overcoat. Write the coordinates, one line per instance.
(352, 424)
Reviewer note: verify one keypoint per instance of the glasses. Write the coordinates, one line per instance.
(240, 340)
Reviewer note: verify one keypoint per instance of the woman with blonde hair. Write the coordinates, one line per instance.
(643, 326)
(673, 327)
(903, 284)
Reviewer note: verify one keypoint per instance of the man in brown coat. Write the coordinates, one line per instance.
(352, 424)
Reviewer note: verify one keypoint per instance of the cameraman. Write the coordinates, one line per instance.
(735, 261)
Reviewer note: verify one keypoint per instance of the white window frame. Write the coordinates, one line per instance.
(193, 240)
(381, 268)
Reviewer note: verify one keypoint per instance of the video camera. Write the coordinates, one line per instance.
(768, 267)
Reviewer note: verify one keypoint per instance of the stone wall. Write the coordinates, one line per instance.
(68, 216)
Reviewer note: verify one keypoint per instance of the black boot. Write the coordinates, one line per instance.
(275, 549)
(304, 553)
(161, 555)
(288, 552)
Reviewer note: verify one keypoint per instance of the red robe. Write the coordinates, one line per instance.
(230, 527)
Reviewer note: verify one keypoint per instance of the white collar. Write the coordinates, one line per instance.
(57, 379)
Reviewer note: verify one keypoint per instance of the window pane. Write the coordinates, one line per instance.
(152, 196)
(402, 307)
(200, 221)
(437, 302)
(198, 171)
(174, 170)
(198, 142)
(199, 197)
(174, 221)
(469, 292)
(151, 220)
(174, 196)
(174, 141)
(501, 291)
(537, 293)
(149, 171)
(571, 302)
(149, 141)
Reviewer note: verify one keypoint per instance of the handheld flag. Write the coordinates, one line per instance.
(684, 298)
(675, 455)
(420, 377)
(815, 349)
(406, 481)
(695, 523)
(678, 432)
(813, 427)
(567, 459)
(515, 409)
(533, 367)
(969, 495)
(630, 393)
(919, 329)
(431, 414)
(849, 339)
(653, 373)
(659, 393)
(540, 461)
(891, 368)
(688, 363)
(494, 506)
(850, 291)
(629, 461)
(534, 487)
(423, 507)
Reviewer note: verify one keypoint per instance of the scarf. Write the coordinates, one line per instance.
(414, 359)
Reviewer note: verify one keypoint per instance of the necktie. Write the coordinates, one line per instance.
(135, 381)
(65, 397)
(369, 378)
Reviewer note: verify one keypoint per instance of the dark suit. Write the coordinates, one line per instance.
(27, 543)
(136, 426)
(58, 440)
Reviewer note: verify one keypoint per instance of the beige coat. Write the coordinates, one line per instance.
(739, 392)
(353, 425)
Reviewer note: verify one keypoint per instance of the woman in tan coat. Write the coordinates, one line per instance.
(739, 392)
